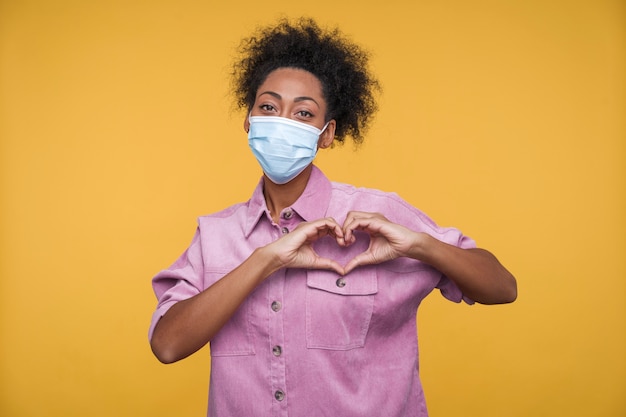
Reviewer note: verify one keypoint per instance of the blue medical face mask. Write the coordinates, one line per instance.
(283, 147)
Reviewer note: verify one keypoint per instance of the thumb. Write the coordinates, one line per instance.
(358, 260)
(325, 263)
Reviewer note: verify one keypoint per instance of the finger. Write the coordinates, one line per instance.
(331, 228)
(360, 259)
(367, 225)
(320, 228)
(354, 215)
(362, 215)
(349, 225)
(355, 220)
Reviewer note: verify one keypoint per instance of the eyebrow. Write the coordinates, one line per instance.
(297, 99)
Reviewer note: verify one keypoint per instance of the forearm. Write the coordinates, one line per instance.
(190, 324)
(477, 272)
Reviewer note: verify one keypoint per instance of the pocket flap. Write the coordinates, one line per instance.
(362, 281)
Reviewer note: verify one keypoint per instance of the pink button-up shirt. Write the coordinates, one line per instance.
(310, 342)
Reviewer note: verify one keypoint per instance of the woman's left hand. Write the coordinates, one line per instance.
(478, 273)
(387, 240)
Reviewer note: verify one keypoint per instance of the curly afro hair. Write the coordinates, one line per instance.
(339, 64)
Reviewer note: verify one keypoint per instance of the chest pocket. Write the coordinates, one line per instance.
(236, 337)
(339, 309)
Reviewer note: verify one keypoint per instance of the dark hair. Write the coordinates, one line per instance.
(339, 64)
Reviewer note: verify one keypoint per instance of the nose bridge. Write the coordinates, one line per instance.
(287, 106)
(285, 111)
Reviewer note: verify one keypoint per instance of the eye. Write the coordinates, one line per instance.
(267, 107)
(304, 114)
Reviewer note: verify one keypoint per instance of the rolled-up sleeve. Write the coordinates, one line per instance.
(182, 280)
(405, 214)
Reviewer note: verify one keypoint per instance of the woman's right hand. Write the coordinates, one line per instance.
(295, 250)
(193, 322)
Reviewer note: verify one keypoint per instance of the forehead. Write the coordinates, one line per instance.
(292, 82)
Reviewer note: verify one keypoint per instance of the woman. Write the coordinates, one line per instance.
(308, 292)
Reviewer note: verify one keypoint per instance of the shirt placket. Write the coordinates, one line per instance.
(276, 331)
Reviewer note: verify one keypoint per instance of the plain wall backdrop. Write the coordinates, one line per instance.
(502, 118)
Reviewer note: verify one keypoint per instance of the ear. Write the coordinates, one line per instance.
(328, 136)
(246, 124)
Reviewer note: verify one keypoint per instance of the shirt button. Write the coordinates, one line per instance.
(341, 282)
(288, 215)
(284, 230)
(277, 350)
(276, 306)
(279, 395)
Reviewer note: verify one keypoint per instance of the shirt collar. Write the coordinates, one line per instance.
(314, 201)
(311, 205)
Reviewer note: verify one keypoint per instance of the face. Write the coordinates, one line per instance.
(295, 94)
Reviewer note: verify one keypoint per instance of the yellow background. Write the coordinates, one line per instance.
(502, 118)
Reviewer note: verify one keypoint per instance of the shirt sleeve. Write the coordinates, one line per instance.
(181, 281)
(419, 221)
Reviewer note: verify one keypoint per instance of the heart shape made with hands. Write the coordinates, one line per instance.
(347, 256)
(363, 239)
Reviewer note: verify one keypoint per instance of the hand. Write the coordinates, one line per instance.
(294, 250)
(387, 240)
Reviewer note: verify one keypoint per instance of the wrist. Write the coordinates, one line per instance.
(268, 260)
(422, 247)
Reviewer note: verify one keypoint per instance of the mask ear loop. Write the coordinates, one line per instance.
(321, 133)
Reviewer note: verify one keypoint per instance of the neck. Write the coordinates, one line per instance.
(280, 196)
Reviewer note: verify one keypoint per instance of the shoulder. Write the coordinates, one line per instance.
(352, 192)
(351, 198)
(233, 214)
(375, 200)
(228, 211)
